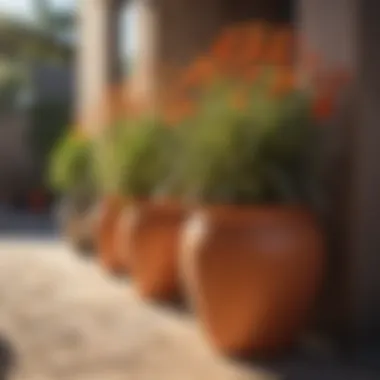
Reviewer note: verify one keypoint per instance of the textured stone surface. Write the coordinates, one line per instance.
(67, 319)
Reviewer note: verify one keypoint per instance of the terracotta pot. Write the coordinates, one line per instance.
(252, 275)
(108, 214)
(154, 247)
(122, 237)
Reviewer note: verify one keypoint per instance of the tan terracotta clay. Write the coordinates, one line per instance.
(154, 243)
(122, 237)
(109, 211)
(252, 275)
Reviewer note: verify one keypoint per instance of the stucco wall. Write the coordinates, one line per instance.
(92, 56)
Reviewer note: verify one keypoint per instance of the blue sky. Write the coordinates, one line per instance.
(23, 9)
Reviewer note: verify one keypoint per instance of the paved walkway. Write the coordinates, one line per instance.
(66, 319)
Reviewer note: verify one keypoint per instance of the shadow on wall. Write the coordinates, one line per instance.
(7, 359)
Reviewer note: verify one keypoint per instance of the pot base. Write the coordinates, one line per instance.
(252, 275)
(154, 249)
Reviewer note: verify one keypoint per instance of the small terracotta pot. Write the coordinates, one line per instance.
(122, 237)
(154, 243)
(109, 211)
(252, 275)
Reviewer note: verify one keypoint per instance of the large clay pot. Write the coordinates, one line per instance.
(154, 243)
(109, 212)
(252, 275)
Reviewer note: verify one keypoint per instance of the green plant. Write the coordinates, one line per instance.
(134, 157)
(253, 136)
(260, 150)
(71, 164)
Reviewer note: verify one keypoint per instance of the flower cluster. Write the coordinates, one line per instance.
(240, 54)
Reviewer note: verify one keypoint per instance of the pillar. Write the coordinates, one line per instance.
(365, 217)
(346, 32)
(143, 79)
(97, 57)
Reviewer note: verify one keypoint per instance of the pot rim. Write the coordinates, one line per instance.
(158, 205)
(296, 212)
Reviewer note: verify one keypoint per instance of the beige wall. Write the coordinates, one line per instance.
(143, 83)
(92, 59)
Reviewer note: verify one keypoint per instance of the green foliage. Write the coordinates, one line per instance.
(71, 164)
(262, 152)
(134, 157)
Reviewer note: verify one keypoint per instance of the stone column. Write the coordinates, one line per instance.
(365, 216)
(346, 32)
(97, 57)
(144, 75)
(326, 29)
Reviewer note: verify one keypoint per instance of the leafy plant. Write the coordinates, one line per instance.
(135, 156)
(254, 136)
(71, 164)
(261, 152)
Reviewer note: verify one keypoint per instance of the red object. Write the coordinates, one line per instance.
(37, 201)
(323, 107)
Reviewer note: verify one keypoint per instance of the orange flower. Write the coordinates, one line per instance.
(199, 73)
(281, 48)
(225, 46)
(255, 43)
(284, 82)
(251, 73)
(239, 99)
(323, 107)
(178, 111)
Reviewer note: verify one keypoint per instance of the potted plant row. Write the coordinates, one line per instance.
(141, 219)
(70, 175)
(215, 192)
